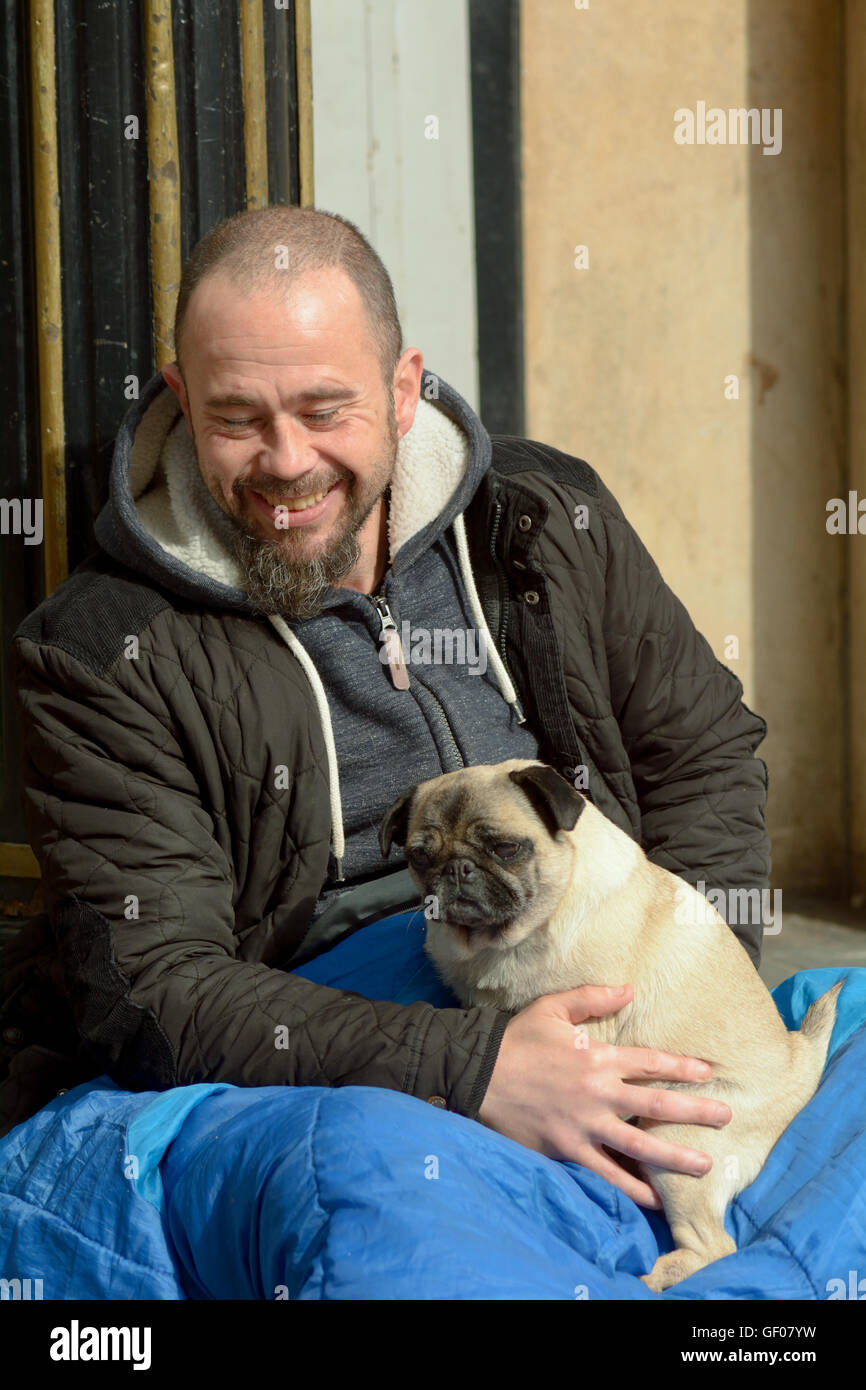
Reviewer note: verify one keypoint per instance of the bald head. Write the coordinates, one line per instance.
(264, 251)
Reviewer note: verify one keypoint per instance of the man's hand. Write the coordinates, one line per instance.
(566, 1101)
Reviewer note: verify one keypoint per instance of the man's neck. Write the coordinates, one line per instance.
(366, 577)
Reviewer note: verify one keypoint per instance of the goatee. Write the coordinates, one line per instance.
(276, 576)
(295, 588)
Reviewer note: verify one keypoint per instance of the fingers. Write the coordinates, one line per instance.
(674, 1107)
(593, 1001)
(639, 1063)
(641, 1192)
(647, 1064)
(639, 1144)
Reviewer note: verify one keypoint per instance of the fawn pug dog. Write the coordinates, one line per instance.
(537, 891)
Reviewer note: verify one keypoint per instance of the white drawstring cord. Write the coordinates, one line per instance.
(337, 836)
(506, 684)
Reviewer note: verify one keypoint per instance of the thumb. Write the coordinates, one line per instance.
(591, 1001)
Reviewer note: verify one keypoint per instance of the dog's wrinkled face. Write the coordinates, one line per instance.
(488, 845)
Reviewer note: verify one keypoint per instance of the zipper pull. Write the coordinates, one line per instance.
(391, 637)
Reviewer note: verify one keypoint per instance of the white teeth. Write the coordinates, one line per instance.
(298, 504)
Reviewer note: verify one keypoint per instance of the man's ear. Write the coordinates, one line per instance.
(396, 822)
(172, 377)
(554, 799)
(406, 388)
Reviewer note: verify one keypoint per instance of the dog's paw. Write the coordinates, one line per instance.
(670, 1269)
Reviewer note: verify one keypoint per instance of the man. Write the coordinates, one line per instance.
(218, 708)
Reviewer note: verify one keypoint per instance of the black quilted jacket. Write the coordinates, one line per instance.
(176, 890)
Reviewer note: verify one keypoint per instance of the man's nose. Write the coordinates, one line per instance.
(290, 455)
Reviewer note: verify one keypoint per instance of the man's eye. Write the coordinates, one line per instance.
(321, 417)
(506, 849)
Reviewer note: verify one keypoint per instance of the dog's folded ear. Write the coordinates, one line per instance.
(555, 800)
(394, 826)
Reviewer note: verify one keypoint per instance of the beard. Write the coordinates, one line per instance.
(278, 583)
(277, 576)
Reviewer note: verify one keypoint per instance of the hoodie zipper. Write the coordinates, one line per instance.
(445, 727)
(503, 587)
(393, 646)
(400, 676)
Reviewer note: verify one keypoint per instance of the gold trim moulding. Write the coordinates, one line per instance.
(46, 224)
(163, 177)
(255, 107)
(18, 861)
(304, 72)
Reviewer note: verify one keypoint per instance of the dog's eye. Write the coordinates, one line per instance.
(506, 849)
(419, 857)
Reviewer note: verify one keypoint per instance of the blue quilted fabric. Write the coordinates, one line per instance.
(361, 1193)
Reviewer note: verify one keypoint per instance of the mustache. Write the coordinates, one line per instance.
(279, 489)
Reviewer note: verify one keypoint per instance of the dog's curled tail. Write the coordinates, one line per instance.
(817, 1028)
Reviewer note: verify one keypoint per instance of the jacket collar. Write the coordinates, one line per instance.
(160, 519)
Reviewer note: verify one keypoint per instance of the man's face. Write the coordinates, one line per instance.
(294, 433)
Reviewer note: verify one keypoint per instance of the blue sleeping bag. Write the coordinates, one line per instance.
(217, 1191)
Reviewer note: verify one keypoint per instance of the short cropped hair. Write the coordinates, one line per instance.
(244, 248)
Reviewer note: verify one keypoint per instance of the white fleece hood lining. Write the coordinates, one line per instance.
(175, 508)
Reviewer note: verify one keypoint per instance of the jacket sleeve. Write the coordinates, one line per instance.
(139, 897)
(690, 737)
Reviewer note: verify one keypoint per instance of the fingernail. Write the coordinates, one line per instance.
(704, 1070)
(618, 989)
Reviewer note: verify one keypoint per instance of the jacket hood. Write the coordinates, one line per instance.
(161, 521)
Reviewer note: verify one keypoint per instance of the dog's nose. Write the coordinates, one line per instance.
(460, 870)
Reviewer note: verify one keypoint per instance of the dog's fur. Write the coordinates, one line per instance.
(579, 903)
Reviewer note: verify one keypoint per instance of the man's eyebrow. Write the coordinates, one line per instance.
(313, 393)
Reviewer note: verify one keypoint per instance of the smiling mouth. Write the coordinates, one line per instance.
(295, 504)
